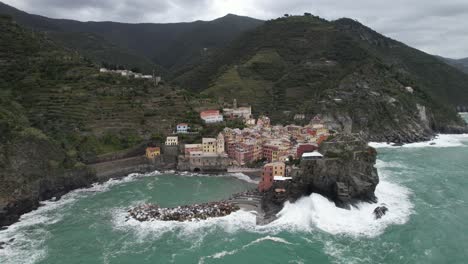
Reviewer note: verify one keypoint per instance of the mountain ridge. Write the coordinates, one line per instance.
(308, 65)
(156, 44)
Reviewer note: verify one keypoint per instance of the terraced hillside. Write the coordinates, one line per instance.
(57, 113)
(145, 45)
(304, 64)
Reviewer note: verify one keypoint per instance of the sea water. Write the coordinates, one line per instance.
(424, 185)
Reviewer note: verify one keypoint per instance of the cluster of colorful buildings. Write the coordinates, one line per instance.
(210, 153)
(273, 143)
(279, 173)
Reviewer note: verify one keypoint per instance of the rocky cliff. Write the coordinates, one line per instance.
(34, 168)
(345, 175)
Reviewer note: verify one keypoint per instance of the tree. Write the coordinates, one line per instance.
(307, 14)
(286, 15)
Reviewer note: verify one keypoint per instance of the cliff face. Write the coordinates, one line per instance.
(34, 168)
(345, 175)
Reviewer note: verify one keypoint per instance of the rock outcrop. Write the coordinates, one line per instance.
(380, 211)
(345, 175)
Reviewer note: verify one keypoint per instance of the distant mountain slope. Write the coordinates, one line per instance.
(461, 64)
(168, 45)
(304, 64)
(446, 83)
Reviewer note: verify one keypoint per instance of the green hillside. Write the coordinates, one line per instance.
(448, 84)
(304, 64)
(63, 95)
(143, 45)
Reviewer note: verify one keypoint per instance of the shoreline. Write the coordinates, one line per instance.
(119, 169)
(119, 176)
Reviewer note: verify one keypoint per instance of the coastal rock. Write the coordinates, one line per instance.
(380, 211)
(196, 212)
(346, 175)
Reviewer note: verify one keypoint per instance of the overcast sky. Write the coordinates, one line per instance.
(434, 26)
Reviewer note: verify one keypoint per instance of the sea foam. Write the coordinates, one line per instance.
(30, 232)
(440, 141)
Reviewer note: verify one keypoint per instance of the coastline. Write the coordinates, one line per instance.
(103, 172)
(118, 169)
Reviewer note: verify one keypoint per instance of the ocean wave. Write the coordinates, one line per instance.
(238, 175)
(440, 141)
(317, 212)
(28, 243)
(240, 220)
(224, 253)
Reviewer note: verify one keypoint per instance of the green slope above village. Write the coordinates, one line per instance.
(148, 46)
(307, 65)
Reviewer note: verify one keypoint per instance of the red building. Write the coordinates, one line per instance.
(268, 151)
(244, 153)
(267, 178)
(305, 148)
(231, 149)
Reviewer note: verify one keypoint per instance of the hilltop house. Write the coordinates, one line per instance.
(182, 128)
(211, 116)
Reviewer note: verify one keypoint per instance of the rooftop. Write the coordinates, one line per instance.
(312, 154)
(281, 178)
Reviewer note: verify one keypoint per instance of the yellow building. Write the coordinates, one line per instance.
(209, 145)
(279, 168)
(274, 155)
(153, 152)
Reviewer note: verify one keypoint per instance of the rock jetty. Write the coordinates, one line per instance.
(195, 212)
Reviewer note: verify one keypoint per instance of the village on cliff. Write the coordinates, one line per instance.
(274, 151)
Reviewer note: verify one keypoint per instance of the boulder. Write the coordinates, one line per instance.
(380, 211)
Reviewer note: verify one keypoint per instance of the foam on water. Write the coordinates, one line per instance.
(238, 175)
(440, 141)
(224, 253)
(240, 220)
(316, 211)
(305, 215)
(30, 232)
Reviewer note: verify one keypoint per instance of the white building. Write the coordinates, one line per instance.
(211, 116)
(182, 128)
(172, 141)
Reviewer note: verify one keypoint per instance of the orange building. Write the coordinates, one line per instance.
(153, 152)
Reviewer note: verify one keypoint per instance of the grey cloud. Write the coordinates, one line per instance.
(434, 26)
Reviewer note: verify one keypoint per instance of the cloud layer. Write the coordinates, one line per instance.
(436, 27)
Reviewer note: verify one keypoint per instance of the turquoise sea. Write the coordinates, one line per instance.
(425, 187)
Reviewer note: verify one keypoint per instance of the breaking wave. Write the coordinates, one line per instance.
(440, 141)
(317, 212)
(28, 235)
(308, 214)
(232, 252)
